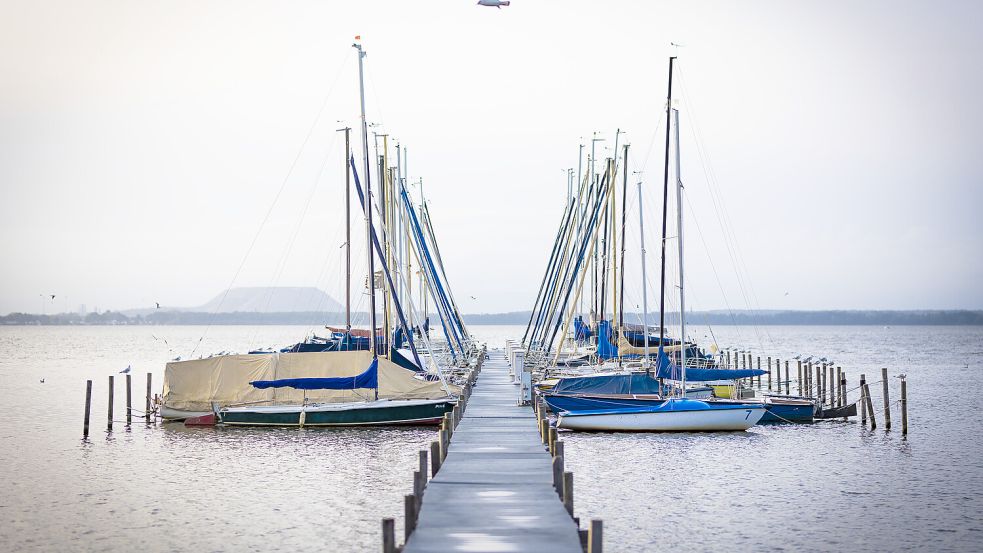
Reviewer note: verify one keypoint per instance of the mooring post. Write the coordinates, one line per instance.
(769, 373)
(870, 406)
(544, 426)
(568, 492)
(552, 443)
(146, 415)
(409, 512)
(594, 536)
(819, 384)
(88, 407)
(788, 378)
(822, 387)
(759, 368)
(388, 535)
(434, 458)
(109, 425)
(839, 386)
(904, 406)
(449, 425)
(129, 400)
(423, 464)
(863, 403)
(887, 401)
(418, 485)
(558, 475)
(800, 376)
(843, 398)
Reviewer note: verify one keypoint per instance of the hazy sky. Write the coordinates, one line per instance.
(142, 143)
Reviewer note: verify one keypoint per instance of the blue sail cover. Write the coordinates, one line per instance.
(605, 349)
(635, 383)
(581, 331)
(665, 369)
(367, 379)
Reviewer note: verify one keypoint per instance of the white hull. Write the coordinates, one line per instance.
(714, 420)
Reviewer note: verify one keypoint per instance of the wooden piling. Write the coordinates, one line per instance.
(843, 397)
(410, 514)
(109, 425)
(388, 535)
(870, 407)
(800, 376)
(595, 536)
(839, 387)
(568, 492)
(769, 373)
(422, 467)
(759, 368)
(129, 400)
(887, 401)
(863, 403)
(418, 485)
(146, 415)
(445, 442)
(819, 384)
(552, 440)
(544, 426)
(788, 379)
(822, 387)
(434, 458)
(904, 406)
(558, 475)
(88, 408)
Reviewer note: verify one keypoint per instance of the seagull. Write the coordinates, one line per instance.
(797, 357)
(52, 296)
(42, 381)
(158, 304)
(474, 298)
(126, 370)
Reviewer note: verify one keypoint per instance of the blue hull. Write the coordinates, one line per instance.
(788, 413)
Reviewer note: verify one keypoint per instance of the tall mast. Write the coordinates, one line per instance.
(645, 295)
(679, 238)
(368, 203)
(348, 231)
(665, 212)
(624, 215)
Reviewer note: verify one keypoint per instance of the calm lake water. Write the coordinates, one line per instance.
(822, 487)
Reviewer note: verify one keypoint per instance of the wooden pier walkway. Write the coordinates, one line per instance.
(494, 491)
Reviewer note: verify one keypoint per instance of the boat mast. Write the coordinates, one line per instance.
(624, 215)
(679, 238)
(645, 295)
(348, 231)
(368, 204)
(665, 212)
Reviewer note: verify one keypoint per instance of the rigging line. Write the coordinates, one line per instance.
(712, 176)
(730, 241)
(282, 262)
(713, 267)
(276, 199)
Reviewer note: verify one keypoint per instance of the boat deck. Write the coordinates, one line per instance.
(494, 491)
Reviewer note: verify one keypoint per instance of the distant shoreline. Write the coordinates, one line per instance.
(718, 318)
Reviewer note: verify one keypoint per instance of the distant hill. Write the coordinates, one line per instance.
(263, 299)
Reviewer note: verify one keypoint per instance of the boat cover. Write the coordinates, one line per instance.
(667, 370)
(635, 383)
(195, 384)
(367, 379)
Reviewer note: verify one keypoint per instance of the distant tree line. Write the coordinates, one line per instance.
(883, 318)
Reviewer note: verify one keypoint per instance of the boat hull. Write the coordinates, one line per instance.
(706, 419)
(583, 402)
(370, 413)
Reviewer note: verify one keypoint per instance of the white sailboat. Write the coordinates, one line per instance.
(678, 414)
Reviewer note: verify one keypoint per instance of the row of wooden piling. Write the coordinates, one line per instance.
(821, 382)
(436, 455)
(591, 539)
(147, 413)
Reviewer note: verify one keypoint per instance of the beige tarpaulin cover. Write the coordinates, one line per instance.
(625, 347)
(194, 385)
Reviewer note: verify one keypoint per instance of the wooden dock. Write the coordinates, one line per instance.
(494, 491)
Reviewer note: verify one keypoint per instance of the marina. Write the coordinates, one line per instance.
(391, 278)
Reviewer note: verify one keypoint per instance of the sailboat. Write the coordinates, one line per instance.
(352, 386)
(675, 414)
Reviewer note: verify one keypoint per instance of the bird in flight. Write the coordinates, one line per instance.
(126, 370)
(493, 3)
(158, 304)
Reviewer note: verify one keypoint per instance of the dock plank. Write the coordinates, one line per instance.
(494, 491)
